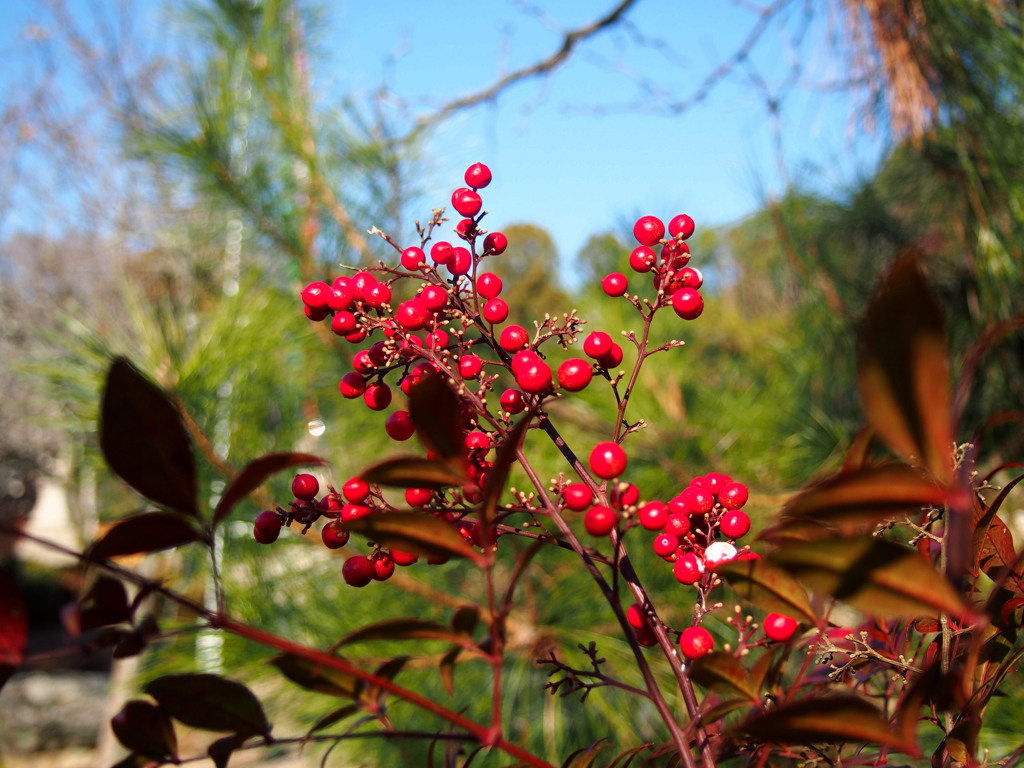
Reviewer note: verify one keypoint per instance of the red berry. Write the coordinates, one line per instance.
(441, 252)
(677, 524)
(689, 277)
(512, 400)
(478, 176)
(642, 259)
(334, 535)
(636, 617)
(316, 315)
(648, 230)
(489, 285)
(653, 515)
(356, 490)
(434, 297)
(779, 627)
(534, 377)
(698, 500)
(597, 344)
(399, 426)
(675, 255)
(624, 495)
(316, 295)
(343, 323)
(355, 337)
(495, 311)
(466, 201)
(614, 284)
(577, 496)
(574, 374)
(377, 295)
(681, 226)
(734, 524)
(361, 281)
(352, 385)
(612, 358)
(418, 497)
(513, 338)
(521, 358)
(600, 520)
(466, 229)
(608, 460)
(688, 568)
(645, 636)
(412, 314)
(470, 366)
(460, 262)
(733, 496)
(383, 566)
(342, 294)
(267, 527)
(354, 511)
(377, 397)
(403, 558)
(305, 487)
(665, 544)
(357, 571)
(695, 642)
(413, 258)
(362, 361)
(495, 244)
(688, 303)
(437, 339)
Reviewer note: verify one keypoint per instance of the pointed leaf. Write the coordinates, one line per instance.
(413, 532)
(858, 456)
(903, 368)
(447, 669)
(876, 576)
(413, 472)
(148, 532)
(997, 557)
(401, 629)
(437, 413)
(256, 473)
(145, 441)
(318, 677)
(220, 751)
(584, 758)
(211, 703)
(332, 717)
(767, 586)
(983, 516)
(825, 719)
(145, 729)
(865, 496)
(724, 670)
(628, 756)
(465, 619)
(104, 604)
(497, 477)
(724, 708)
(13, 622)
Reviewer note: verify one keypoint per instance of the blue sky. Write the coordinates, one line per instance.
(582, 150)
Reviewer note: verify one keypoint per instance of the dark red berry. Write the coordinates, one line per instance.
(624, 495)
(512, 400)
(305, 487)
(600, 520)
(695, 642)
(418, 497)
(316, 295)
(357, 571)
(612, 358)
(648, 230)
(478, 176)
(343, 323)
(352, 385)
(399, 426)
(608, 460)
(495, 244)
(267, 527)
(642, 259)
(403, 558)
(688, 303)
(636, 617)
(334, 535)
(342, 295)
(574, 374)
(383, 566)
(377, 397)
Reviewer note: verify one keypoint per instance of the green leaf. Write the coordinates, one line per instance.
(903, 368)
(437, 413)
(413, 532)
(497, 477)
(402, 629)
(724, 670)
(865, 496)
(841, 718)
(144, 728)
(255, 473)
(144, 440)
(413, 472)
(767, 586)
(147, 532)
(211, 703)
(876, 576)
(318, 677)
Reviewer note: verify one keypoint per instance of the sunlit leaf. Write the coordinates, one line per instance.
(983, 516)
(997, 557)
(401, 629)
(865, 496)
(497, 477)
(145, 729)
(825, 719)
(148, 532)
(876, 576)
(723, 670)
(437, 413)
(767, 586)
(255, 473)
(903, 368)
(144, 440)
(318, 677)
(413, 532)
(210, 702)
(413, 472)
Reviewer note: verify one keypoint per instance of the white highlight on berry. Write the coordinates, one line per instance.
(719, 552)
